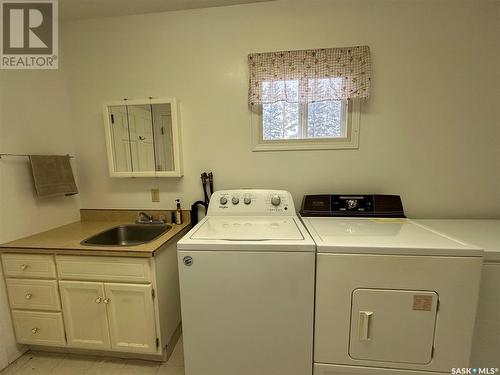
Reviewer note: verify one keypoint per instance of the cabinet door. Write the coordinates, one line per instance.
(84, 314)
(131, 317)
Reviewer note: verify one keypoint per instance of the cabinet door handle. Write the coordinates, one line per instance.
(364, 325)
(107, 300)
(35, 330)
(28, 295)
(23, 267)
(98, 300)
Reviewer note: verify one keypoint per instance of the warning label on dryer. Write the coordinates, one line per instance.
(422, 302)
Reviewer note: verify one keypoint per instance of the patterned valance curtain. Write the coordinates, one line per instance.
(308, 76)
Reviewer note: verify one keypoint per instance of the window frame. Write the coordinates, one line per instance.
(350, 141)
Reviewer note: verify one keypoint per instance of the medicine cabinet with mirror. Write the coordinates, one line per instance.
(143, 138)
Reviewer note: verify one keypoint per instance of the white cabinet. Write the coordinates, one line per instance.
(85, 314)
(116, 303)
(128, 303)
(104, 316)
(102, 303)
(34, 299)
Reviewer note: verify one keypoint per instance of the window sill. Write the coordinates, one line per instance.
(319, 144)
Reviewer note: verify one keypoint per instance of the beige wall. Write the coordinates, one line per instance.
(430, 131)
(34, 118)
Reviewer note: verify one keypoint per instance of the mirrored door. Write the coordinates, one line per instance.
(120, 138)
(143, 138)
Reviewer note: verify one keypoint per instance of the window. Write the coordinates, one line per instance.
(283, 120)
(290, 125)
(308, 99)
(330, 124)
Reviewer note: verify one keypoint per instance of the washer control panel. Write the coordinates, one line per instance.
(252, 202)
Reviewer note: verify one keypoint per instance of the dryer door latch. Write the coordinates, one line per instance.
(364, 325)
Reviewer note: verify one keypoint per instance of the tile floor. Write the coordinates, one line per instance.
(43, 363)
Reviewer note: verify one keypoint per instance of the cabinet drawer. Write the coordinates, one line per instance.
(29, 265)
(33, 294)
(38, 328)
(135, 270)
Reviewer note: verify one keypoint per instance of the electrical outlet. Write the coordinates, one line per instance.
(155, 195)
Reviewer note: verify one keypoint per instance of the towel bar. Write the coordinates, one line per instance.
(26, 155)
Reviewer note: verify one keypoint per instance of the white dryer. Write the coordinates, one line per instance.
(392, 296)
(247, 287)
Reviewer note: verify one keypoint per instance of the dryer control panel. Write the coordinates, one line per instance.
(252, 202)
(360, 205)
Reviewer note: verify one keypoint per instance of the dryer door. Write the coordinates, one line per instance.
(393, 325)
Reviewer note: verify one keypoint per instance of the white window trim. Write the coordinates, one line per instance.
(351, 141)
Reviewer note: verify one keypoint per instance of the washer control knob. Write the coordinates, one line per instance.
(247, 200)
(235, 200)
(352, 203)
(223, 200)
(275, 200)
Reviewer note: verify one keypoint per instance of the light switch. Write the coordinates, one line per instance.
(155, 195)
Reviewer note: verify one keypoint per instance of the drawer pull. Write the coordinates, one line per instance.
(35, 330)
(24, 267)
(98, 300)
(107, 300)
(29, 295)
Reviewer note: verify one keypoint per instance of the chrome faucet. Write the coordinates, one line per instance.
(141, 214)
(148, 219)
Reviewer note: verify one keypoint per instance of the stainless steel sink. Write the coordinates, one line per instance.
(127, 235)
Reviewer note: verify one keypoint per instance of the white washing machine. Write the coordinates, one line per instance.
(392, 296)
(247, 287)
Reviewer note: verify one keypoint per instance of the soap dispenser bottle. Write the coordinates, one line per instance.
(178, 212)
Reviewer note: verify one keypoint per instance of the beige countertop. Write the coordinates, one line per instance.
(66, 240)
